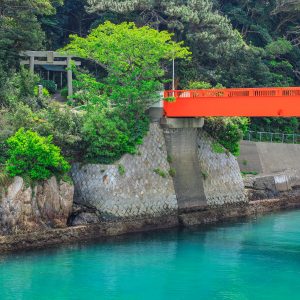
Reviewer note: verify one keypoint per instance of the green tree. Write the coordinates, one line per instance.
(132, 58)
(209, 35)
(20, 28)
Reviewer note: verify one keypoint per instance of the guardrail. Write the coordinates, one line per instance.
(272, 137)
(235, 92)
(243, 102)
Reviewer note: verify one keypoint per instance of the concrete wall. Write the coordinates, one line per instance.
(268, 157)
(188, 182)
(138, 192)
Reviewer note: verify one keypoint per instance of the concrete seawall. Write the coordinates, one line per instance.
(176, 168)
(268, 158)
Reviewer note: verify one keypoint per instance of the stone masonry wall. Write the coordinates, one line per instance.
(222, 178)
(140, 191)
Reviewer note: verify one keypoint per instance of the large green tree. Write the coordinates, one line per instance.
(133, 59)
(209, 35)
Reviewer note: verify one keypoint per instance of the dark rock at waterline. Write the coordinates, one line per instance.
(85, 218)
(83, 215)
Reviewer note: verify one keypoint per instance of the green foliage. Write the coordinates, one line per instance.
(132, 57)
(199, 85)
(276, 125)
(34, 157)
(204, 175)
(172, 172)
(64, 125)
(202, 85)
(64, 92)
(49, 85)
(227, 131)
(217, 148)
(116, 121)
(160, 172)
(20, 28)
(106, 135)
(56, 120)
(45, 92)
(169, 159)
(121, 170)
(21, 87)
(208, 33)
(279, 47)
(170, 99)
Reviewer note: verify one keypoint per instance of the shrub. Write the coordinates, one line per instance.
(44, 91)
(64, 125)
(106, 135)
(227, 131)
(199, 85)
(121, 170)
(64, 92)
(34, 157)
(160, 172)
(49, 85)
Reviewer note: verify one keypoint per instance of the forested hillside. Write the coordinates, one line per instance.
(235, 43)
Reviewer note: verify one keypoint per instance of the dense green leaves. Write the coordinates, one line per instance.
(116, 106)
(227, 131)
(34, 157)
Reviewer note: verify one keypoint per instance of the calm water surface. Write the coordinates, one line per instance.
(259, 259)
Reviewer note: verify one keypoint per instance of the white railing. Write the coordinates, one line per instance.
(272, 137)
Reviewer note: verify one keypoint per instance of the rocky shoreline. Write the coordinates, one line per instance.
(55, 237)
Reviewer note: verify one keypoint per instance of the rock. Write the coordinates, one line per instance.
(85, 218)
(83, 215)
(47, 205)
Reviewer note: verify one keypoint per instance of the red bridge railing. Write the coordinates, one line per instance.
(246, 102)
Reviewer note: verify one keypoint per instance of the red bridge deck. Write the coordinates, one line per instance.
(252, 102)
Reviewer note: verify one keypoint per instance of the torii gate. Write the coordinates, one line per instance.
(50, 58)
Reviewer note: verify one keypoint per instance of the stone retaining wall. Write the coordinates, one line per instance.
(221, 174)
(137, 185)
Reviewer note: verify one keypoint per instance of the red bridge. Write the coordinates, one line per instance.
(242, 102)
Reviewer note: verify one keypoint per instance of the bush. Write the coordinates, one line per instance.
(34, 157)
(6, 131)
(227, 131)
(203, 85)
(106, 136)
(49, 85)
(44, 91)
(64, 92)
(64, 125)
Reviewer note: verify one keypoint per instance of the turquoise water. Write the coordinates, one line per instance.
(258, 259)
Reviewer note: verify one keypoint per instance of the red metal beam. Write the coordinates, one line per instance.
(244, 102)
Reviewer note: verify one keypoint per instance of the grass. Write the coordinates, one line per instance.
(160, 172)
(172, 172)
(217, 148)
(204, 175)
(121, 170)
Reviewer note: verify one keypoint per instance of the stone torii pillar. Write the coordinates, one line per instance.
(51, 58)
